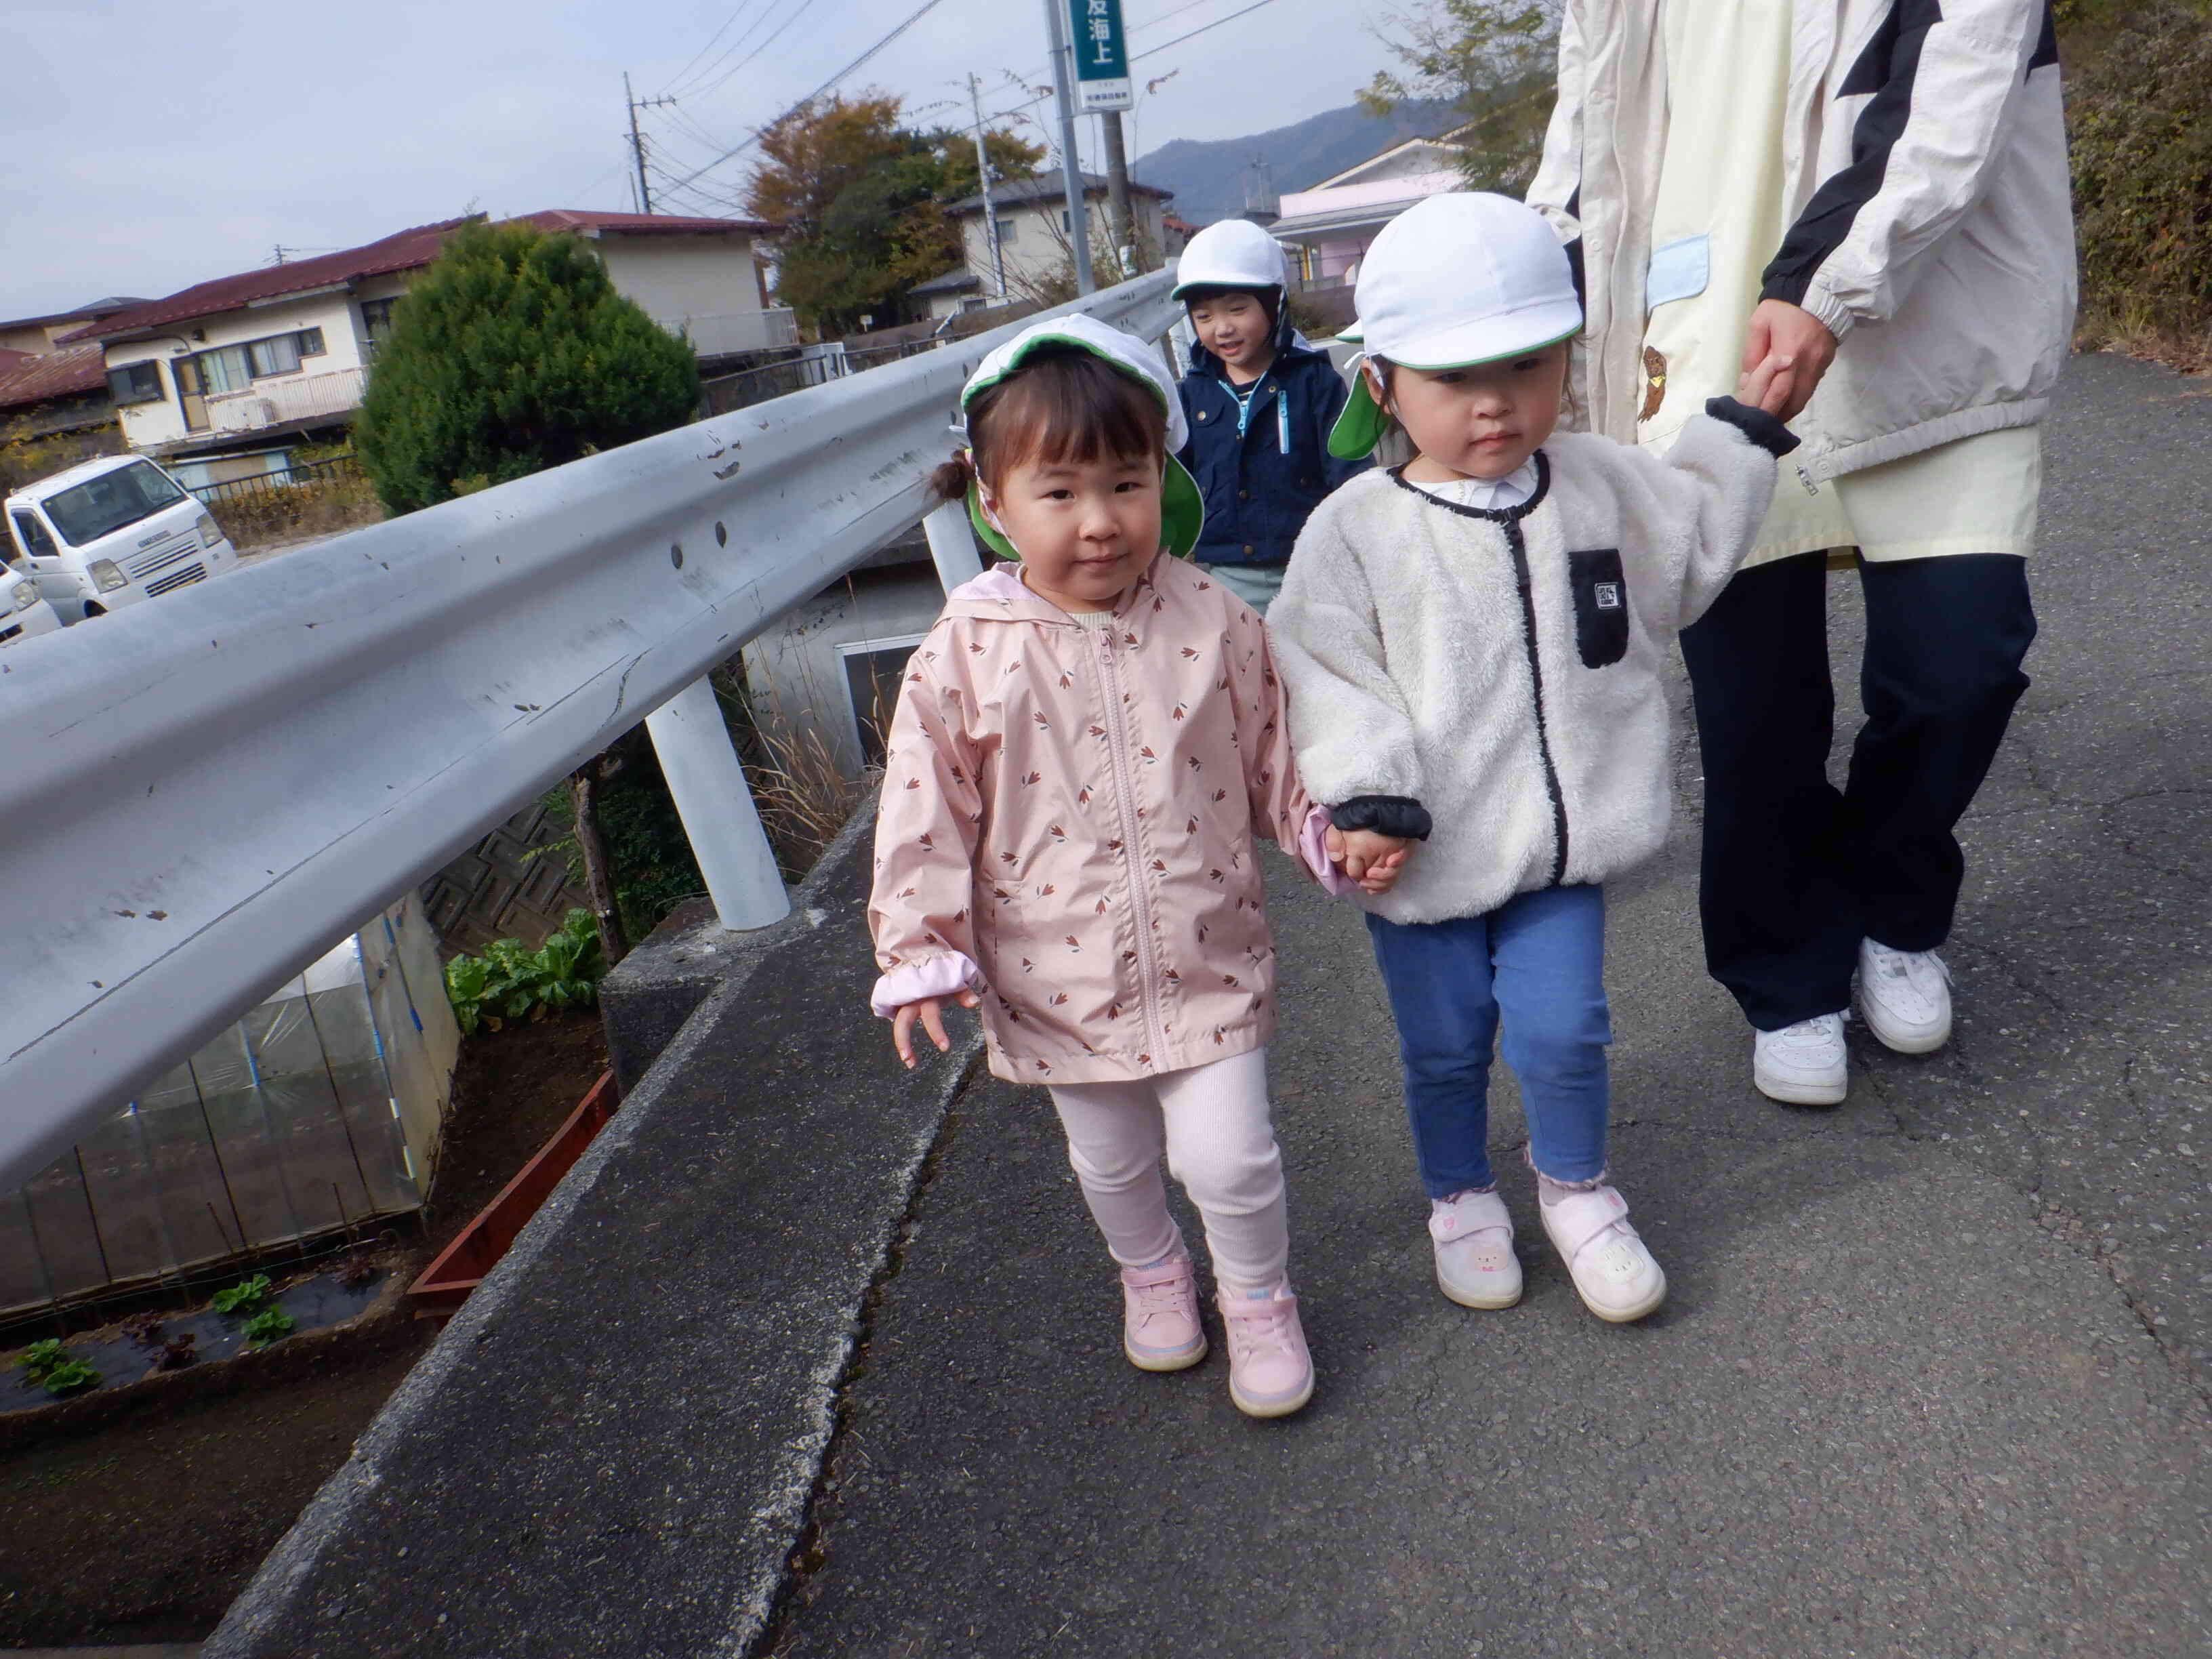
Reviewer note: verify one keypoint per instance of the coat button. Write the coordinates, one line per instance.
(1201, 414)
(1248, 550)
(1243, 495)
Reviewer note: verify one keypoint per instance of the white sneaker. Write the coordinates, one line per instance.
(1805, 1064)
(1905, 996)
(1473, 1237)
(1612, 1272)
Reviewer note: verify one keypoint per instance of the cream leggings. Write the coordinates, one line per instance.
(1211, 1123)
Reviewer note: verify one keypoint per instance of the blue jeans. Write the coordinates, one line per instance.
(1255, 583)
(1538, 961)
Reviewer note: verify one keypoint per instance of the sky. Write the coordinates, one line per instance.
(152, 146)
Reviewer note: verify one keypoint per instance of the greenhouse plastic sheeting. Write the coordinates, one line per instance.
(322, 1108)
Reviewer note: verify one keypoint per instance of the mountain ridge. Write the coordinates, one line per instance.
(1208, 175)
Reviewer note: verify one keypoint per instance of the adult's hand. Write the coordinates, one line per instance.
(1785, 353)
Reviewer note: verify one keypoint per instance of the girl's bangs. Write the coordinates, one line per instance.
(1065, 407)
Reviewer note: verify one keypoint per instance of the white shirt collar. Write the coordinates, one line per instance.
(1490, 495)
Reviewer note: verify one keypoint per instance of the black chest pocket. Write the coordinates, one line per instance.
(1600, 605)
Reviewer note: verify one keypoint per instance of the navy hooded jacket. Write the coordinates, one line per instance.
(1260, 489)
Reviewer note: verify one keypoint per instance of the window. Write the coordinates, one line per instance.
(278, 357)
(34, 537)
(376, 321)
(873, 672)
(101, 507)
(1007, 229)
(224, 370)
(134, 383)
(233, 369)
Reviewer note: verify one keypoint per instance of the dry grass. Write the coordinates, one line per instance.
(803, 798)
(321, 508)
(2159, 332)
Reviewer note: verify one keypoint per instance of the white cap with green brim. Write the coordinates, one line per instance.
(1454, 281)
(1183, 509)
(1235, 254)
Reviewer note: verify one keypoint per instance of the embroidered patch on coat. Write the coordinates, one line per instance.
(1654, 383)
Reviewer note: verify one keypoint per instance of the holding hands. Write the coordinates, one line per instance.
(1786, 352)
(1373, 860)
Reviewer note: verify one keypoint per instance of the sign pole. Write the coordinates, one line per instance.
(1070, 165)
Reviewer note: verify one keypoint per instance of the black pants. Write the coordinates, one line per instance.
(1793, 872)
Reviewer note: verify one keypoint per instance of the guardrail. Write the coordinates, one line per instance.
(200, 796)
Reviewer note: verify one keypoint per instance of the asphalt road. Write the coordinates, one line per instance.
(1934, 1377)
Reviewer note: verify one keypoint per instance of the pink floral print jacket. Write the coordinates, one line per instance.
(1067, 827)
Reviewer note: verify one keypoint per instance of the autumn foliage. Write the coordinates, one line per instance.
(863, 199)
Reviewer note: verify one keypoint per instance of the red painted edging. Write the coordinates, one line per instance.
(461, 1266)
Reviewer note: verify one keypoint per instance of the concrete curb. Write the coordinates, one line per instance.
(709, 1258)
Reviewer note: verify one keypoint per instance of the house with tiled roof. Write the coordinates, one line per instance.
(1327, 228)
(62, 390)
(1033, 244)
(285, 350)
(37, 335)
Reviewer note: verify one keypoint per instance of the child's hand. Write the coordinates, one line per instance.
(1367, 858)
(930, 1010)
(1786, 351)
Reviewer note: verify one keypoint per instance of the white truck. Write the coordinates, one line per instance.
(109, 532)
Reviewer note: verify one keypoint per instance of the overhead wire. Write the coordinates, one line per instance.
(1153, 52)
(709, 46)
(701, 89)
(700, 78)
(904, 24)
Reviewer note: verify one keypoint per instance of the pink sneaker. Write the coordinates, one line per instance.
(1270, 1372)
(1160, 1330)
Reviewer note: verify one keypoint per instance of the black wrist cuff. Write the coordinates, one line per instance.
(1756, 424)
(1398, 816)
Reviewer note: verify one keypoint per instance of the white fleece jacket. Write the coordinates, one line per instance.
(1504, 668)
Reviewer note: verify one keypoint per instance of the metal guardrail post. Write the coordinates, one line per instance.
(952, 545)
(716, 805)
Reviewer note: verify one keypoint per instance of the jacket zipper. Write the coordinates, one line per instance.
(1526, 587)
(1117, 739)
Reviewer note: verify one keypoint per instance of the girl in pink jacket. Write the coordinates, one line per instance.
(1084, 748)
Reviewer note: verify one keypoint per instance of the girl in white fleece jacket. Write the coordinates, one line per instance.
(1473, 644)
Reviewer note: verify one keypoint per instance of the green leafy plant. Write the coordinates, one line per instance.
(244, 1297)
(70, 1376)
(40, 1358)
(267, 1326)
(509, 981)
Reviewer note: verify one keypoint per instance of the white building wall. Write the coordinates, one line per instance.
(1039, 247)
(677, 276)
(797, 669)
(148, 424)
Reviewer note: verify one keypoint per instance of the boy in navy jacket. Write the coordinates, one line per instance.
(1259, 401)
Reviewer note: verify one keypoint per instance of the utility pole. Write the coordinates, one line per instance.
(983, 171)
(637, 141)
(1117, 193)
(1071, 164)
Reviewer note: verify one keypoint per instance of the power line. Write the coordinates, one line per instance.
(1153, 52)
(698, 90)
(709, 46)
(699, 77)
(907, 23)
